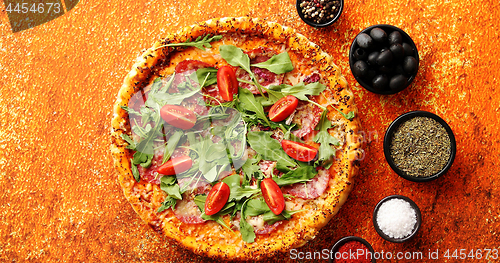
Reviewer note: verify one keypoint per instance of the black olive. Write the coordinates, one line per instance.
(410, 65)
(397, 50)
(360, 68)
(372, 58)
(398, 69)
(385, 58)
(408, 49)
(364, 40)
(388, 69)
(398, 82)
(360, 54)
(371, 74)
(378, 35)
(395, 38)
(380, 82)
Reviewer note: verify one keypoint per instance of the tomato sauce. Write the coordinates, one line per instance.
(354, 252)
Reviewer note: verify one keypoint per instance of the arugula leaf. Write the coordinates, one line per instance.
(348, 116)
(216, 113)
(145, 150)
(232, 181)
(169, 186)
(167, 203)
(131, 144)
(157, 84)
(135, 172)
(210, 158)
(237, 58)
(256, 207)
(172, 98)
(165, 87)
(171, 145)
(238, 192)
(143, 159)
(200, 200)
(206, 76)
(147, 114)
(277, 64)
(299, 175)
(269, 148)
(233, 134)
(299, 90)
(252, 169)
(131, 111)
(246, 230)
(247, 99)
(325, 139)
(265, 102)
(200, 43)
(271, 218)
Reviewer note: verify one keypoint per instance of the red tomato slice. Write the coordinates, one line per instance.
(178, 116)
(227, 82)
(283, 108)
(272, 195)
(176, 165)
(217, 198)
(299, 151)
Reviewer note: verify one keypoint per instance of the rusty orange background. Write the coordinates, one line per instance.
(59, 197)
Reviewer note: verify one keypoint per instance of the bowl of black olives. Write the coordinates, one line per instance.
(383, 59)
(319, 13)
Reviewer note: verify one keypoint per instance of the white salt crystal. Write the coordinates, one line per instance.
(396, 218)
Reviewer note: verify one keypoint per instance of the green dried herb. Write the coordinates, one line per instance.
(420, 147)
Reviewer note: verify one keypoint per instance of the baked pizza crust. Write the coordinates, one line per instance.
(210, 239)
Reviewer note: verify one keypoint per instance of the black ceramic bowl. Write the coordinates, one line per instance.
(391, 70)
(316, 25)
(344, 240)
(393, 127)
(415, 229)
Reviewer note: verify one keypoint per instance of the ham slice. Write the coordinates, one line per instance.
(307, 116)
(312, 189)
(265, 77)
(150, 174)
(186, 209)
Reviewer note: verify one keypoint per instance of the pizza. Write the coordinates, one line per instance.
(236, 137)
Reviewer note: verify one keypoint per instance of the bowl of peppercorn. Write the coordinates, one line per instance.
(383, 59)
(419, 146)
(352, 249)
(319, 13)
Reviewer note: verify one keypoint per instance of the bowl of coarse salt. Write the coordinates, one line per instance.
(397, 218)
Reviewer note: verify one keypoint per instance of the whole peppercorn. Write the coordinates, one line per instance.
(319, 11)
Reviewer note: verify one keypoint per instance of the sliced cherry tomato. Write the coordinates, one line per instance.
(217, 198)
(190, 64)
(227, 82)
(283, 108)
(299, 151)
(272, 195)
(178, 116)
(176, 165)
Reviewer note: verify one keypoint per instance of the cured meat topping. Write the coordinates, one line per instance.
(265, 77)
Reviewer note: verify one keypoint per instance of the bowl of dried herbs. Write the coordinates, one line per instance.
(419, 146)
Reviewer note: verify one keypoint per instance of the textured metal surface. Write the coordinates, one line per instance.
(59, 198)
